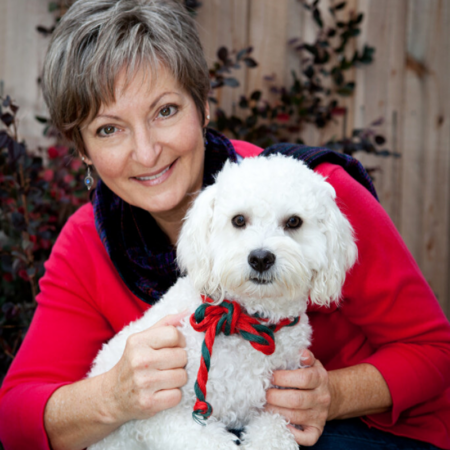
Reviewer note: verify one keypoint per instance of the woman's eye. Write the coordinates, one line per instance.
(106, 131)
(238, 221)
(293, 222)
(168, 111)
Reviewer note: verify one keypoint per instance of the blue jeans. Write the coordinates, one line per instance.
(353, 434)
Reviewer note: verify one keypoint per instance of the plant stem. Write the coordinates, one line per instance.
(28, 251)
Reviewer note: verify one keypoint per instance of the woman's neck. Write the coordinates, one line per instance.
(170, 222)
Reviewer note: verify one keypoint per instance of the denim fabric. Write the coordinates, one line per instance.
(353, 434)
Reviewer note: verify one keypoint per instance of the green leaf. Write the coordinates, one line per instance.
(222, 54)
(232, 82)
(318, 17)
(347, 90)
(251, 121)
(359, 19)
(242, 53)
(243, 103)
(256, 95)
(311, 49)
(345, 65)
(250, 62)
(41, 119)
(52, 6)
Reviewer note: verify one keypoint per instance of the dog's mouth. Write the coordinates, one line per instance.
(257, 280)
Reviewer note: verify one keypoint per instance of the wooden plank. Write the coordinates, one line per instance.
(411, 220)
(435, 240)
(23, 51)
(379, 91)
(225, 23)
(268, 36)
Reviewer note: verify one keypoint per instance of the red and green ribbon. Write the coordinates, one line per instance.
(227, 318)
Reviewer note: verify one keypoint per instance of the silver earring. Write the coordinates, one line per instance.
(207, 116)
(88, 180)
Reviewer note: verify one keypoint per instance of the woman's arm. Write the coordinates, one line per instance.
(145, 381)
(317, 396)
(358, 391)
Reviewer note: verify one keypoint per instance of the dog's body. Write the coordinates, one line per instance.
(270, 265)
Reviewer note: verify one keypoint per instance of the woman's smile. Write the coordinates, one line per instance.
(153, 180)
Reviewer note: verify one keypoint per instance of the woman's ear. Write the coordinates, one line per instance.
(207, 114)
(193, 252)
(84, 158)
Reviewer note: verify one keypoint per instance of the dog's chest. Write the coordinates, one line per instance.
(239, 374)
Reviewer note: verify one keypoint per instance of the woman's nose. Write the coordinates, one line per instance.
(146, 146)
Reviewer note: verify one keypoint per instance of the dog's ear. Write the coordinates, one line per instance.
(193, 252)
(341, 255)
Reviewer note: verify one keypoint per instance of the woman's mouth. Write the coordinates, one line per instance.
(152, 180)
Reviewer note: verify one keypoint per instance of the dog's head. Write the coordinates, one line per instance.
(267, 233)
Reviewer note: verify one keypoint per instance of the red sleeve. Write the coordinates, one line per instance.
(66, 333)
(386, 296)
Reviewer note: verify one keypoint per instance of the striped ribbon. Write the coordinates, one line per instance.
(227, 318)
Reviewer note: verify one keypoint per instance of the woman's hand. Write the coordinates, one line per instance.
(305, 402)
(148, 377)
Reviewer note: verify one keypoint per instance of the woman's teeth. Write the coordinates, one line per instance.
(154, 176)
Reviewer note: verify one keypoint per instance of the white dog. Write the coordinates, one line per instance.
(269, 236)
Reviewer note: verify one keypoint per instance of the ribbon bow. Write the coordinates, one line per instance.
(228, 318)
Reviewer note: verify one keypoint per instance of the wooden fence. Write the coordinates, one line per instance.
(408, 85)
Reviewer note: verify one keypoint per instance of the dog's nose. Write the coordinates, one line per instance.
(261, 260)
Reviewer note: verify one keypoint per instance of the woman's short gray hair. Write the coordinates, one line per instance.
(96, 39)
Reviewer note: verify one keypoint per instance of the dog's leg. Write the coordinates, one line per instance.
(268, 430)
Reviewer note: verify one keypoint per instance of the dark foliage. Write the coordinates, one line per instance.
(35, 202)
(314, 96)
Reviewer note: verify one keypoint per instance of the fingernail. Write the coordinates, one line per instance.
(304, 356)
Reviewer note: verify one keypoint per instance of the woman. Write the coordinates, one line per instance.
(127, 82)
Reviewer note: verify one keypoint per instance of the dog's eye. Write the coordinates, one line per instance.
(238, 221)
(293, 222)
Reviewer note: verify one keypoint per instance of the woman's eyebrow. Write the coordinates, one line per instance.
(108, 116)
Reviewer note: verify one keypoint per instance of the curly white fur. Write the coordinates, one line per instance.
(311, 262)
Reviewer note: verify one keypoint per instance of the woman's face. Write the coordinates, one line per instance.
(148, 146)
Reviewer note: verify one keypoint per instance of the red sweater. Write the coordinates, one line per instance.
(388, 317)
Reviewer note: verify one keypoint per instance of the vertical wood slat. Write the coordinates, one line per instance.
(225, 23)
(379, 91)
(22, 50)
(268, 36)
(435, 240)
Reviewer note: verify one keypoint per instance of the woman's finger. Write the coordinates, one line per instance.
(171, 319)
(165, 399)
(301, 417)
(162, 336)
(299, 379)
(307, 358)
(307, 436)
(168, 379)
(291, 398)
(169, 358)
